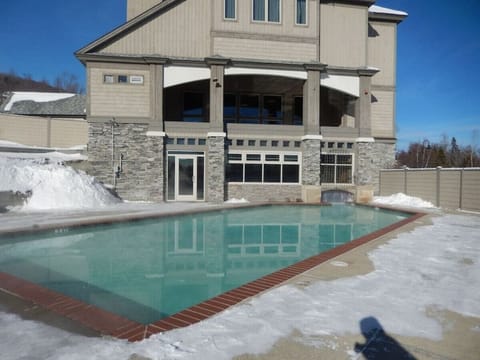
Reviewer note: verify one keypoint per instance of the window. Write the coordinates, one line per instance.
(272, 109)
(266, 10)
(298, 110)
(253, 109)
(122, 79)
(249, 109)
(301, 12)
(193, 107)
(108, 79)
(264, 167)
(336, 168)
(230, 8)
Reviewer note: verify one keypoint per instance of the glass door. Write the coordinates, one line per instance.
(186, 175)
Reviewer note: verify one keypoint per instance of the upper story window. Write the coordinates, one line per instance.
(230, 9)
(266, 10)
(301, 12)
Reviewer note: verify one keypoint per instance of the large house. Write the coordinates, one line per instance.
(268, 100)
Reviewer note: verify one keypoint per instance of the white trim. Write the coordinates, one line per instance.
(216, 134)
(365, 140)
(156, 133)
(176, 75)
(312, 137)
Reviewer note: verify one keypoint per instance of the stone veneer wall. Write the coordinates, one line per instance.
(371, 158)
(311, 162)
(264, 193)
(142, 175)
(216, 169)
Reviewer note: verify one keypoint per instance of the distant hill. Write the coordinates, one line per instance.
(13, 82)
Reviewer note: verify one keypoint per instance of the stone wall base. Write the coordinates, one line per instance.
(265, 193)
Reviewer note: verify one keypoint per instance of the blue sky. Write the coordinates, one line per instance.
(438, 56)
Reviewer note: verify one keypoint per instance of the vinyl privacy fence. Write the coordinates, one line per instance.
(446, 188)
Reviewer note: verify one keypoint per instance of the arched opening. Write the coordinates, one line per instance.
(336, 196)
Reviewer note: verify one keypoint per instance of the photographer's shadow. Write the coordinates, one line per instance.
(378, 344)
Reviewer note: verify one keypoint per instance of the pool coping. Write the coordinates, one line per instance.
(109, 324)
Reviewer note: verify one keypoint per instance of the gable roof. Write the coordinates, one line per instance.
(128, 27)
(71, 106)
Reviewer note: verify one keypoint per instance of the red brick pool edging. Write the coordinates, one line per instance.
(107, 323)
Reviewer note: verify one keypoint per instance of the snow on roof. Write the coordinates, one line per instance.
(35, 96)
(383, 10)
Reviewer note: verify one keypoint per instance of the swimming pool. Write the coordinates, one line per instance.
(149, 270)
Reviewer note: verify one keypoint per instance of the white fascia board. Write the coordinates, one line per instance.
(347, 84)
(176, 75)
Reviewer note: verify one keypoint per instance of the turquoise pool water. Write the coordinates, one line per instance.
(150, 269)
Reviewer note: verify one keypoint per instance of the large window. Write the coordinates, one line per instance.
(230, 9)
(253, 109)
(264, 167)
(336, 168)
(301, 12)
(266, 10)
(193, 110)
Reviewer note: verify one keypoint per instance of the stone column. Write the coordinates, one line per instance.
(216, 167)
(312, 140)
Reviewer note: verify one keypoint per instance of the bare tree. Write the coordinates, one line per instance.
(68, 82)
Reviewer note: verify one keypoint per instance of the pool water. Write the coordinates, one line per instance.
(150, 269)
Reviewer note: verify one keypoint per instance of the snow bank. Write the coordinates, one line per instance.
(403, 200)
(53, 185)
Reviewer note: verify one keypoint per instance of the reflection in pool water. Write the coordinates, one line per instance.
(146, 270)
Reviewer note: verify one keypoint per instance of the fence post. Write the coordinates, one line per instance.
(437, 195)
(461, 189)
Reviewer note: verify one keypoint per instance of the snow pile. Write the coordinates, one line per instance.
(52, 185)
(416, 276)
(403, 200)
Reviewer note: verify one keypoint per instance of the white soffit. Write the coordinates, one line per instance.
(176, 75)
(343, 83)
(252, 71)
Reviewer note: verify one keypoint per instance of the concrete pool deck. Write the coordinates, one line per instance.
(459, 341)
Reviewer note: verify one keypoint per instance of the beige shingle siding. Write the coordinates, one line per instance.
(119, 99)
(382, 113)
(182, 31)
(382, 44)
(343, 35)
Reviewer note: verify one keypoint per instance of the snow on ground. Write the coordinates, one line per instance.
(52, 184)
(403, 200)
